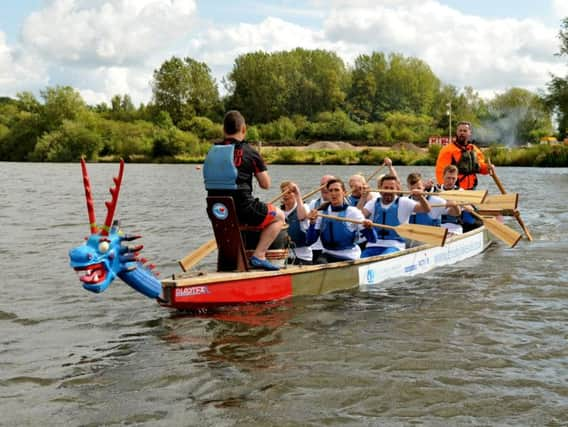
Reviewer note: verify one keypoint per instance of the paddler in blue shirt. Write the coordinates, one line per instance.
(390, 209)
(338, 238)
(296, 213)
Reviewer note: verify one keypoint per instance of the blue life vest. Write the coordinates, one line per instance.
(352, 200)
(467, 218)
(424, 218)
(449, 219)
(335, 235)
(219, 171)
(387, 217)
(295, 231)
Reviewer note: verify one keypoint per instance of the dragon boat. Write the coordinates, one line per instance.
(107, 253)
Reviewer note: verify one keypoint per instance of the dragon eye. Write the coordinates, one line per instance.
(104, 246)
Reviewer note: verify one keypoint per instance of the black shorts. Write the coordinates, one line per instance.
(251, 212)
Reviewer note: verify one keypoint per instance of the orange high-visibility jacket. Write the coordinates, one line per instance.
(451, 154)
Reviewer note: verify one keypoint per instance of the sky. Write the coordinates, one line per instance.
(107, 47)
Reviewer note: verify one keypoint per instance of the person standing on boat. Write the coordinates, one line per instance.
(338, 238)
(296, 213)
(390, 209)
(228, 171)
(465, 155)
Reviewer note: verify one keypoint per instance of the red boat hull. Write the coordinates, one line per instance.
(251, 290)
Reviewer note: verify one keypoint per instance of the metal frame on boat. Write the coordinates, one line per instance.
(198, 290)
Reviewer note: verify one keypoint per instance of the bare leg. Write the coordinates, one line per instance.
(267, 236)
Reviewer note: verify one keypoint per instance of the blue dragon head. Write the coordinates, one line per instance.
(104, 255)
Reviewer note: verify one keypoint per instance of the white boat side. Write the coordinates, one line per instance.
(424, 260)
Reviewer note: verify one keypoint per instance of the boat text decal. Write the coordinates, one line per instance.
(192, 291)
(421, 261)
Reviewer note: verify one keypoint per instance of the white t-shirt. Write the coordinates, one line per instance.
(405, 209)
(312, 205)
(352, 213)
(437, 211)
(302, 252)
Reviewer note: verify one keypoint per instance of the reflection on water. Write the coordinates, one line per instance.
(478, 343)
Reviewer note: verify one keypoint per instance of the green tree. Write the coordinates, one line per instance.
(265, 87)
(381, 85)
(61, 103)
(68, 143)
(557, 95)
(185, 88)
(367, 80)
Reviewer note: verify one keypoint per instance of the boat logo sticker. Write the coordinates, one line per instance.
(220, 211)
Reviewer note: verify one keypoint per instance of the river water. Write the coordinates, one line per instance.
(479, 343)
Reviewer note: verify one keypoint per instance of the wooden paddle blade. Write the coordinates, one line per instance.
(502, 232)
(491, 211)
(423, 233)
(502, 201)
(464, 196)
(197, 255)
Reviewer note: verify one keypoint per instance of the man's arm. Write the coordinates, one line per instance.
(300, 207)
(483, 166)
(422, 206)
(443, 160)
(263, 179)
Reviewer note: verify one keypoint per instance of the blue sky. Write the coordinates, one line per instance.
(107, 47)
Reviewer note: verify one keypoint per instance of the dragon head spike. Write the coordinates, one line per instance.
(89, 197)
(111, 206)
(104, 257)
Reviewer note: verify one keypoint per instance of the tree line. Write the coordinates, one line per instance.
(289, 97)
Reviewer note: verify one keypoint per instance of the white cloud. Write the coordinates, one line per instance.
(101, 83)
(110, 32)
(560, 8)
(220, 46)
(19, 71)
(108, 47)
(463, 50)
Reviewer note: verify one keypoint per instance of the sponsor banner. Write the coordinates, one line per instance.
(421, 261)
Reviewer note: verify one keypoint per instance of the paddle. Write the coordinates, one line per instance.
(197, 255)
(501, 231)
(492, 211)
(314, 191)
(465, 196)
(492, 207)
(422, 233)
(516, 214)
(502, 201)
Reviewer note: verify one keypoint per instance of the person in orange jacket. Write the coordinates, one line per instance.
(466, 156)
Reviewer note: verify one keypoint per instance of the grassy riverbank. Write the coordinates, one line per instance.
(536, 155)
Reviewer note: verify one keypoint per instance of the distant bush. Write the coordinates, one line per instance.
(68, 143)
(281, 129)
(203, 127)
